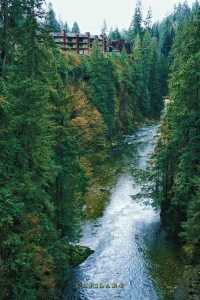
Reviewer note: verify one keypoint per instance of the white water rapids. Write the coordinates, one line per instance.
(118, 239)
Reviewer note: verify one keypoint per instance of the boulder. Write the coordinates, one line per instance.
(78, 254)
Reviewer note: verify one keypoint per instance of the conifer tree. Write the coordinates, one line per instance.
(51, 20)
(148, 20)
(102, 87)
(66, 27)
(136, 25)
(75, 28)
(115, 34)
(178, 158)
(104, 27)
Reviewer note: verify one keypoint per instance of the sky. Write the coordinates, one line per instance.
(90, 14)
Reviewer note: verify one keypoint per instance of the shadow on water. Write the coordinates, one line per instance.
(132, 259)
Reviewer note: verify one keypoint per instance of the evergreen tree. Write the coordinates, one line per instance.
(136, 25)
(167, 37)
(33, 254)
(155, 31)
(128, 110)
(51, 20)
(59, 115)
(181, 12)
(11, 22)
(66, 27)
(104, 27)
(146, 75)
(75, 28)
(178, 158)
(196, 7)
(102, 87)
(4, 31)
(148, 20)
(115, 34)
(141, 89)
(156, 82)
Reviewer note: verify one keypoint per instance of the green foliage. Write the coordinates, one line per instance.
(128, 113)
(66, 27)
(102, 88)
(60, 115)
(115, 34)
(136, 25)
(51, 20)
(40, 199)
(146, 72)
(178, 149)
(75, 28)
(148, 20)
(27, 171)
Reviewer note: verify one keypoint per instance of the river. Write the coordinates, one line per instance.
(132, 259)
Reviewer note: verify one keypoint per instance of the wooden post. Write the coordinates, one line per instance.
(77, 43)
(65, 39)
(104, 43)
(88, 44)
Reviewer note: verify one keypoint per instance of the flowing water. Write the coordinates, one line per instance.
(132, 260)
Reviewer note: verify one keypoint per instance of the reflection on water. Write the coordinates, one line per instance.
(124, 239)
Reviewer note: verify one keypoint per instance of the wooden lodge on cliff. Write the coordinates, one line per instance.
(82, 43)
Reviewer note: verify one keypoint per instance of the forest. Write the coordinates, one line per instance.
(61, 116)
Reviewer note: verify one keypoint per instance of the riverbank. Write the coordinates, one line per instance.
(126, 238)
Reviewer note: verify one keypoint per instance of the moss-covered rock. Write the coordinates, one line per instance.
(78, 254)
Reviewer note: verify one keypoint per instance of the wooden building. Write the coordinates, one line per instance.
(82, 43)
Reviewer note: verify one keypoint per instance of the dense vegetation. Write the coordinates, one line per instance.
(177, 152)
(61, 115)
(179, 143)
